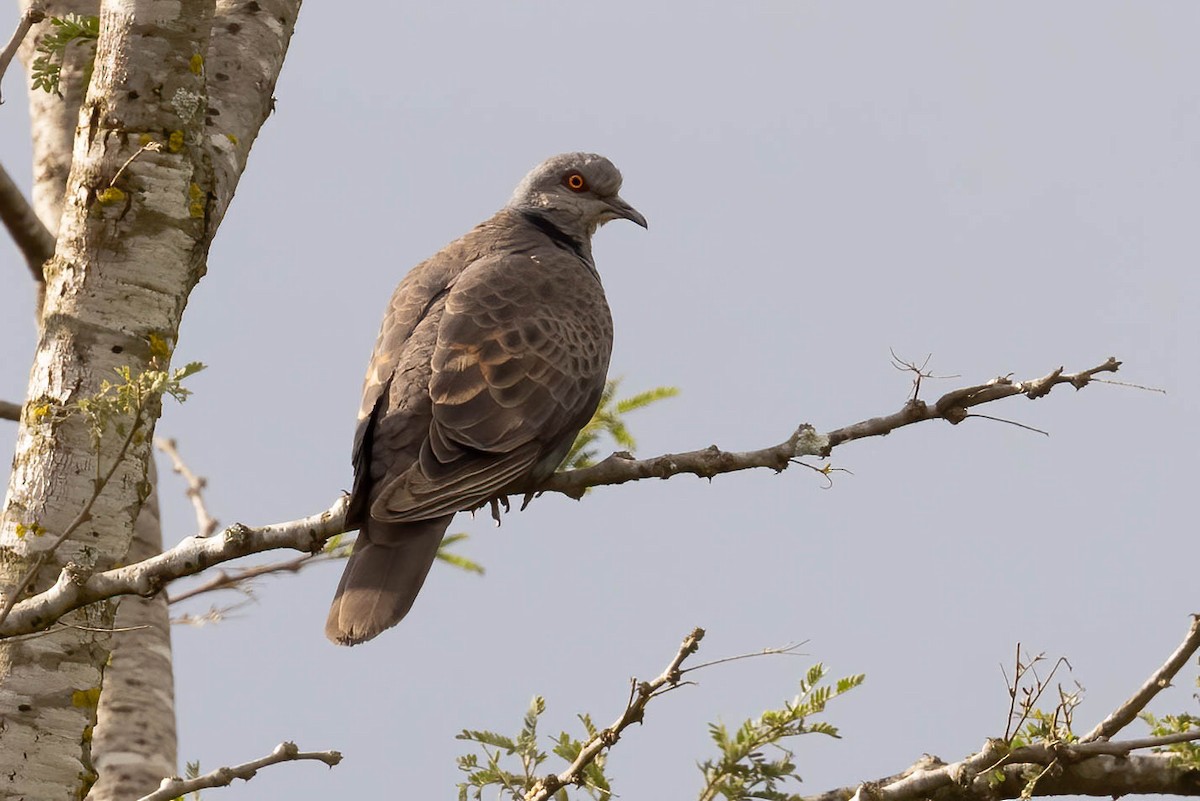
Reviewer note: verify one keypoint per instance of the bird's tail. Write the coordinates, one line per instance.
(382, 578)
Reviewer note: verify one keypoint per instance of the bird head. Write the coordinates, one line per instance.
(575, 191)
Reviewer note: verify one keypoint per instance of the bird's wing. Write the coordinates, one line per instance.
(390, 430)
(520, 360)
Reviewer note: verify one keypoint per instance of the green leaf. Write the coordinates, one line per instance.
(488, 738)
(46, 70)
(609, 419)
(457, 559)
(744, 770)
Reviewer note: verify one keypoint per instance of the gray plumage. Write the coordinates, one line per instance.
(491, 358)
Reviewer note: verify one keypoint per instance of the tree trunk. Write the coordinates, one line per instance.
(134, 744)
(131, 244)
(126, 261)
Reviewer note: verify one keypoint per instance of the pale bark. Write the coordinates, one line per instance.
(134, 744)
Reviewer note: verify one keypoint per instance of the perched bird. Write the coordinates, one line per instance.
(490, 359)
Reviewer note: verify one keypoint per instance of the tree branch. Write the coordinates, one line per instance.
(34, 240)
(235, 580)
(952, 407)
(222, 777)
(75, 589)
(1102, 775)
(545, 788)
(1159, 680)
(1095, 768)
(1091, 766)
(10, 411)
(33, 15)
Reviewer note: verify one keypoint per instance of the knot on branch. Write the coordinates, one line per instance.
(237, 535)
(868, 791)
(954, 415)
(76, 573)
(1041, 387)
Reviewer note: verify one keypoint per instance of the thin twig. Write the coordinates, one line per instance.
(786, 650)
(1008, 422)
(153, 147)
(547, 786)
(1127, 384)
(213, 615)
(224, 580)
(1159, 680)
(206, 524)
(176, 787)
(33, 15)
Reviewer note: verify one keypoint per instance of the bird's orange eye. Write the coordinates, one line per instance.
(575, 182)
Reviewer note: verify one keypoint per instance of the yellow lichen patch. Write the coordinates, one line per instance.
(109, 196)
(159, 347)
(39, 413)
(33, 528)
(196, 64)
(196, 202)
(231, 138)
(86, 699)
(145, 139)
(175, 141)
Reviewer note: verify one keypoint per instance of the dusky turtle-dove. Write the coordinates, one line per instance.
(491, 357)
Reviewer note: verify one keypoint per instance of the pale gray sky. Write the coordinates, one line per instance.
(1009, 187)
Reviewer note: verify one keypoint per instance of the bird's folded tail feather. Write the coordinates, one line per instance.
(383, 577)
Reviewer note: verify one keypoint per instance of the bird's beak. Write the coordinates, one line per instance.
(622, 210)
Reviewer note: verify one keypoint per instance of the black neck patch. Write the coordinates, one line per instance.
(557, 235)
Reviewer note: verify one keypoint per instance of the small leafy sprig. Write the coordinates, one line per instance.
(123, 404)
(744, 771)
(130, 408)
(1028, 723)
(530, 758)
(52, 49)
(1187, 755)
(609, 419)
